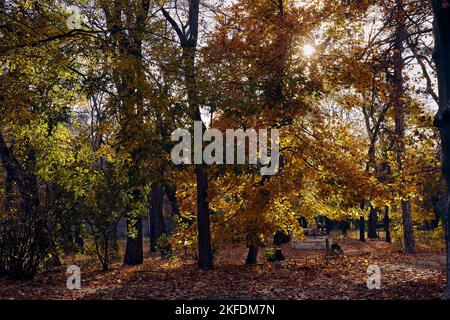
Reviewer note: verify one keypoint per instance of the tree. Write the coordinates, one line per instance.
(263, 84)
(441, 55)
(129, 79)
(30, 128)
(188, 36)
(399, 115)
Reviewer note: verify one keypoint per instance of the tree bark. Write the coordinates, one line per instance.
(171, 194)
(134, 251)
(408, 231)
(362, 227)
(441, 56)
(205, 258)
(252, 255)
(372, 224)
(327, 225)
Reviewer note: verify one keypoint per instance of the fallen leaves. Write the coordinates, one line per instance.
(304, 275)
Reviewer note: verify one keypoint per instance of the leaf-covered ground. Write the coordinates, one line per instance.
(304, 275)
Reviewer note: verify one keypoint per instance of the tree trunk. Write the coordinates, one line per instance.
(9, 195)
(252, 255)
(157, 227)
(279, 254)
(171, 194)
(362, 227)
(327, 225)
(26, 181)
(188, 36)
(114, 237)
(386, 223)
(134, 251)
(408, 232)
(372, 224)
(205, 258)
(129, 85)
(344, 227)
(441, 57)
(445, 216)
(399, 115)
(442, 209)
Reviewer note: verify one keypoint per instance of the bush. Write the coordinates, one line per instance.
(25, 244)
(163, 245)
(274, 255)
(271, 254)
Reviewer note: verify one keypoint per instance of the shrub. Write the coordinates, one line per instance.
(271, 254)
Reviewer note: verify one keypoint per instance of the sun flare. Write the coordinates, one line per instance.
(308, 50)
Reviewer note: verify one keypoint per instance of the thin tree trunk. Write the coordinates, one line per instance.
(362, 227)
(386, 223)
(399, 115)
(327, 225)
(115, 243)
(188, 36)
(344, 227)
(171, 194)
(205, 258)
(372, 224)
(170, 191)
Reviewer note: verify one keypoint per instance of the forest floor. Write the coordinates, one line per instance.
(305, 274)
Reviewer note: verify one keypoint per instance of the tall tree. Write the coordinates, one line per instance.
(441, 55)
(398, 102)
(188, 36)
(129, 78)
